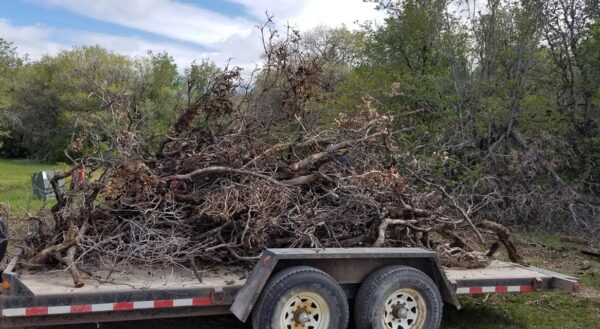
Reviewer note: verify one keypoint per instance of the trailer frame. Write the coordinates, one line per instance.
(21, 307)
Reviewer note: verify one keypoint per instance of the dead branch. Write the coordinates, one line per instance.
(591, 252)
(504, 237)
(219, 169)
(332, 151)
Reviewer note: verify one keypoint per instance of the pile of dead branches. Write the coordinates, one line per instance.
(233, 176)
(224, 198)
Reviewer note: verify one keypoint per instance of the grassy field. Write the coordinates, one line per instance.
(555, 310)
(539, 311)
(15, 184)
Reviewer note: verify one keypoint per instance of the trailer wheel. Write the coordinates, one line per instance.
(301, 297)
(398, 297)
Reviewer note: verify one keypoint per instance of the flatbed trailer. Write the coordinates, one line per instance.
(287, 288)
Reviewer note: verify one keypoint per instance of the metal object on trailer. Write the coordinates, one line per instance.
(42, 187)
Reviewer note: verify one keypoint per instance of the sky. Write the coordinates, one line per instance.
(187, 29)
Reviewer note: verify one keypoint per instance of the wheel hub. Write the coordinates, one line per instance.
(301, 316)
(404, 309)
(399, 312)
(305, 310)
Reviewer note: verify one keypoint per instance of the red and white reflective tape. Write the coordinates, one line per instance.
(106, 307)
(494, 289)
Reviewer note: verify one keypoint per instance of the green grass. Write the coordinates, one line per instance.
(557, 310)
(549, 310)
(15, 184)
(551, 241)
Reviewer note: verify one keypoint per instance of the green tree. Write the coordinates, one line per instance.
(155, 99)
(409, 65)
(60, 97)
(88, 95)
(10, 62)
(509, 95)
(197, 79)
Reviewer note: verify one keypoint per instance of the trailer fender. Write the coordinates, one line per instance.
(346, 265)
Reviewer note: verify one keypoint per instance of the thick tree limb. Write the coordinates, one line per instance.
(504, 237)
(69, 239)
(331, 151)
(70, 261)
(284, 146)
(220, 169)
(301, 180)
(389, 221)
(591, 252)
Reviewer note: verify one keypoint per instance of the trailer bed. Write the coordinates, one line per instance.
(42, 283)
(497, 274)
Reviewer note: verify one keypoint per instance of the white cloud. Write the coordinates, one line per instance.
(244, 51)
(301, 14)
(337, 12)
(307, 14)
(133, 46)
(184, 24)
(468, 9)
(36, 41)
(172, 19)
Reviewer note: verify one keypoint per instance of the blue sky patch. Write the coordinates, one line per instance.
(24, 13)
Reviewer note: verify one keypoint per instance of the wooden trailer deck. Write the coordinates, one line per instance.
(42, 283)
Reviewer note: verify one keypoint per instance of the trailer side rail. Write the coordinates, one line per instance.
(107, 307)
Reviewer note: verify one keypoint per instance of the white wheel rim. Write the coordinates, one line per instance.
(404, 309)
(305, 310)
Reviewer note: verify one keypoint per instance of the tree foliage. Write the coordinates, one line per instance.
(507, 95)
(60, 101)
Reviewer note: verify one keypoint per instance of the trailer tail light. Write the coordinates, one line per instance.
(6, 284)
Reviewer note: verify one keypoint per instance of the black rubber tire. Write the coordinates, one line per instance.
(3, 239)
(380, 284)
(291, 280)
